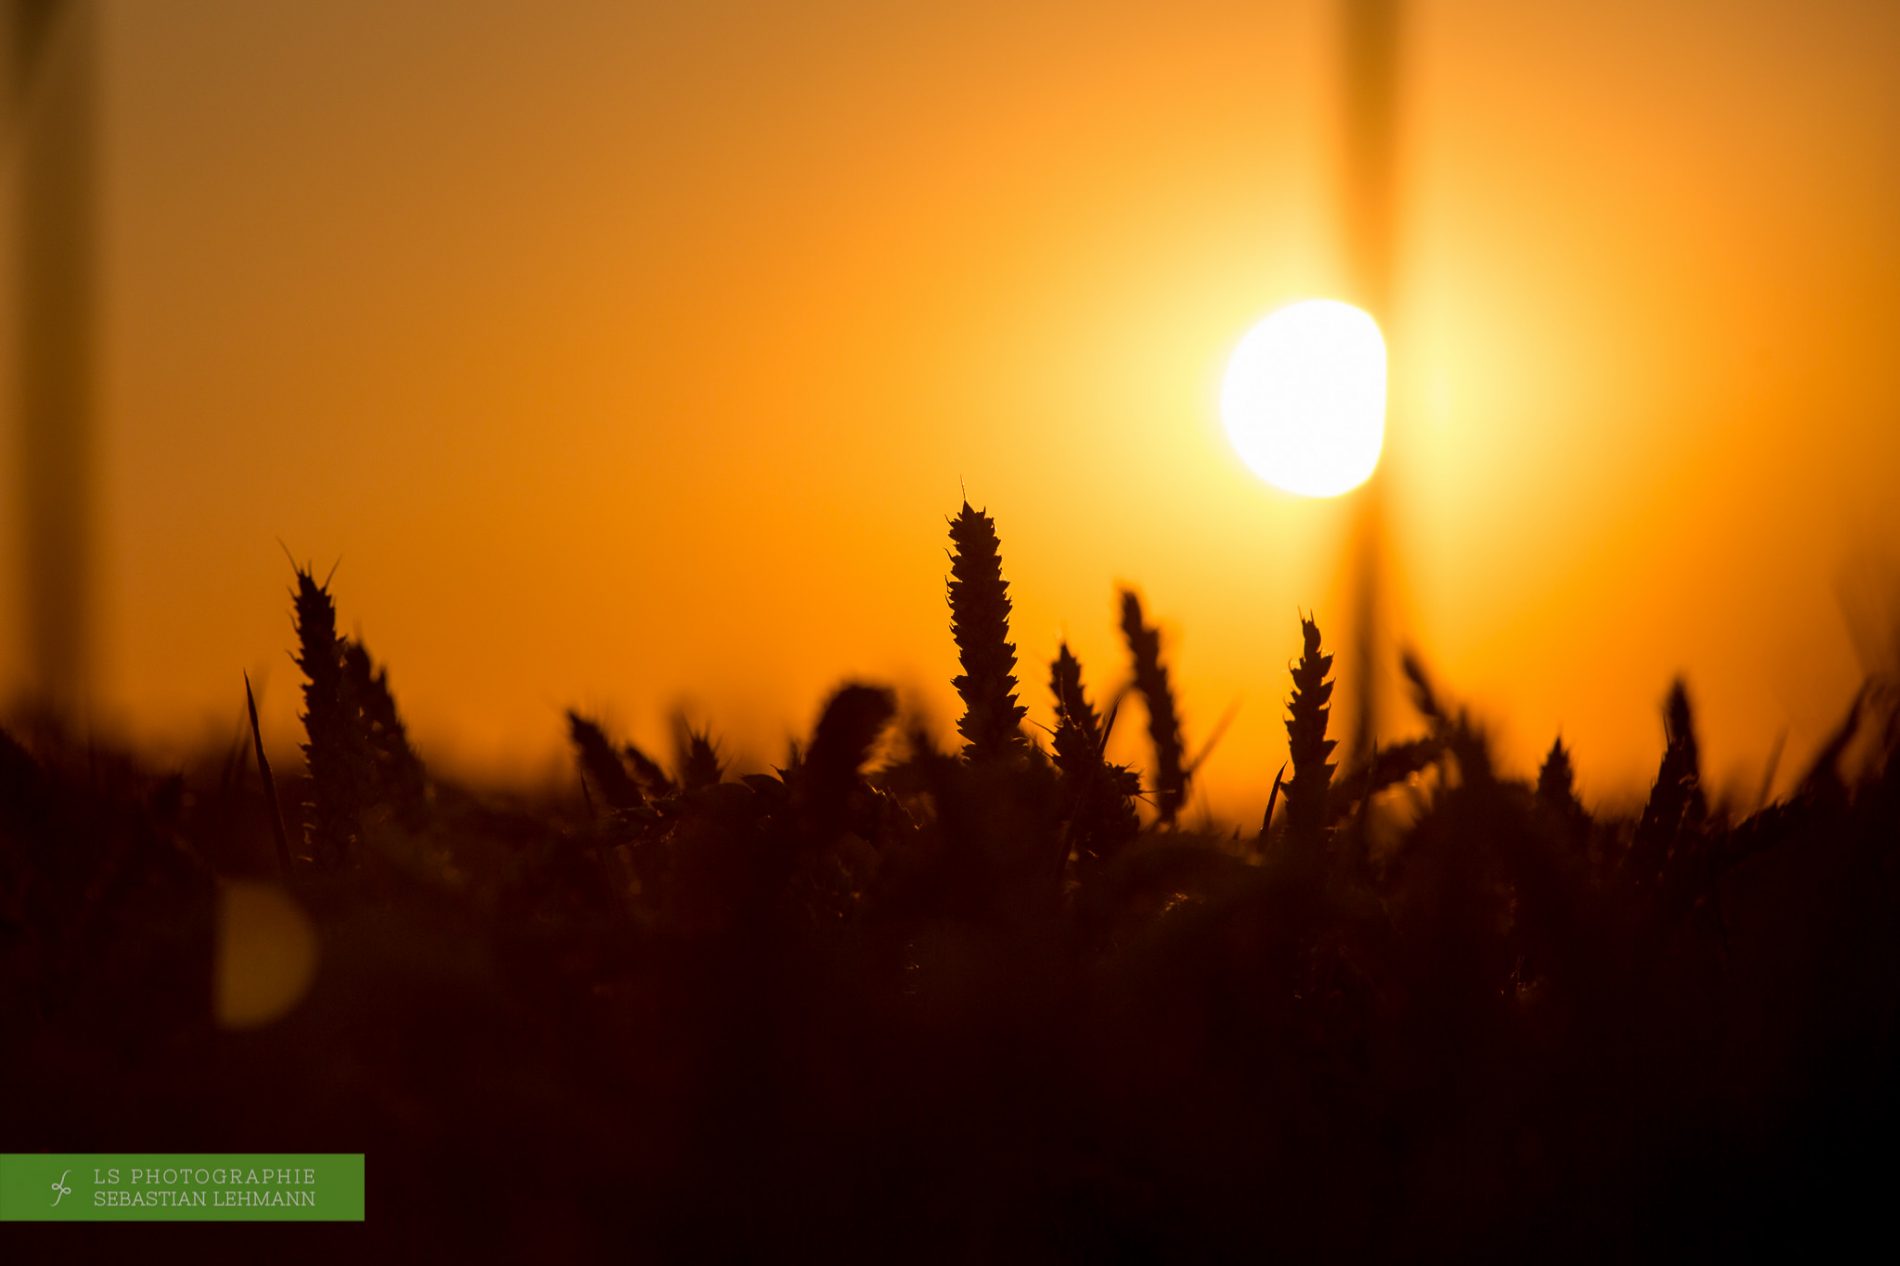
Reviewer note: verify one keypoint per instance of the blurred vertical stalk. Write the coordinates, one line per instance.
(1370, 64)
(50, 107)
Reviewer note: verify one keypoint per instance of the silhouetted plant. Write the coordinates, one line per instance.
(698, 762)
(1556, 783)
(847, 730)
(1164, 726)
(1307, 744)
(600, 766)
(1823, 779)
(1078, 737)
(1419, 682)
(1675, 802)
(1389, 767)
(1099, 794)
(648, 773)
(397, 778)
(336, 750)
(1457, 734)
(979, 621)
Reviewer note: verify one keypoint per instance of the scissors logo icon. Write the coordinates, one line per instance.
(61, 1190)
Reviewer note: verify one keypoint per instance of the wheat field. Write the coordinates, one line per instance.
(894, 1000)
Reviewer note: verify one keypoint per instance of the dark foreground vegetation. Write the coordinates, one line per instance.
(995, 1003)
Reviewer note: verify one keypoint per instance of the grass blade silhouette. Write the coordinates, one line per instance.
(280, 838)
(1273, 798)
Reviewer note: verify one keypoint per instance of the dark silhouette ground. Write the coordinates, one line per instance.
(964, 1006)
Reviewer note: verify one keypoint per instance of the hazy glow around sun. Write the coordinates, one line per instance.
(1304, 398)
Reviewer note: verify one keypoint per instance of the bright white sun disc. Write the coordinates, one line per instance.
(1304, 398)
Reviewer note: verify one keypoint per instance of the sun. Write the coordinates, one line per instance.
(1304, 398)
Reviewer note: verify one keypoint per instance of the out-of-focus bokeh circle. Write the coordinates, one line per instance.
(267, 955)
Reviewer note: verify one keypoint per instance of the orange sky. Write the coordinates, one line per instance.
(631, 356)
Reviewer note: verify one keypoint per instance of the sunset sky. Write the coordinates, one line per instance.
(631, 357)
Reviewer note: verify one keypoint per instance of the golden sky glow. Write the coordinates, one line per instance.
(631, 356)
